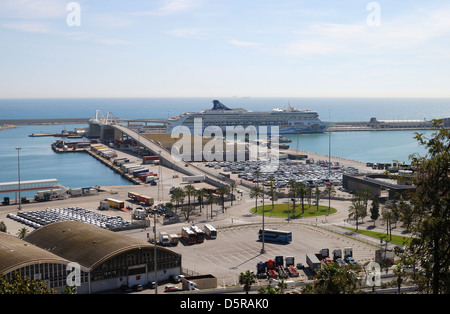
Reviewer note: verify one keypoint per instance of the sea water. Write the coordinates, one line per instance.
(73, 170)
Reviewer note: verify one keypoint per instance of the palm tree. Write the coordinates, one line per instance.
(232, 188)
(190, 191)
(201, 194)
(247, 279)
(22, 233)
(330, 191)
(222, 190)
(272, 192)
(302, 191)
(356, 211)
(317, 193)
(256, 192)
(178, 196)
(211, 200)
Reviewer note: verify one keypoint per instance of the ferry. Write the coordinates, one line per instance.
(290, 120)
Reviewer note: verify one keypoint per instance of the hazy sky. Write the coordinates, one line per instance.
(212, 48)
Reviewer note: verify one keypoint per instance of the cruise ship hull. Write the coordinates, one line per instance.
(291, 121)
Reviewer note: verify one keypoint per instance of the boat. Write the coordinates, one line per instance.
(290, 120)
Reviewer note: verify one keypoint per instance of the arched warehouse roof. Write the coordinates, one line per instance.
(86, 244)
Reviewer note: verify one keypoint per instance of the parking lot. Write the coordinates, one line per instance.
(237, 250)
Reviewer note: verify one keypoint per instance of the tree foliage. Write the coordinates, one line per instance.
(427, 217)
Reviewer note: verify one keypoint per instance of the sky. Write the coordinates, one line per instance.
(226, 48)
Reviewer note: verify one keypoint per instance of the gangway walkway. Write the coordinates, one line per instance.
(12, 187)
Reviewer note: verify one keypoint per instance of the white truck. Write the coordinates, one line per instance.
(193, 179)
(164, 238)
(173, 239)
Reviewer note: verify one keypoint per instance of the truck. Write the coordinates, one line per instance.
(48, 195)
(139, 214)
(189, 285)
(261, 270)
(193, 179)
(150, 159)
(138, 172)
(164, 238)
(348, 252)
(313, 262)
(173, 239)
(384, 257)
(113, 203)
(337, 254)
(104, 205)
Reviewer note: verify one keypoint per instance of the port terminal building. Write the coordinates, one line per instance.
(377, 183)
(107, 260)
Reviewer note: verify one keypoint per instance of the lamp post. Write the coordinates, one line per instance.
(18, 175)
(263, 231)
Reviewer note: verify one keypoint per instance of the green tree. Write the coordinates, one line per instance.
(317, 193)
(332, 279)
(232, 189)
(22, 233)
(2, 226)
(428, 216)
(356, 211)
(222, 191)
(178, 196)
(256, 192)
(20, 285)
(375, 209)
(247, 279)
(190, 192)
(211, 200)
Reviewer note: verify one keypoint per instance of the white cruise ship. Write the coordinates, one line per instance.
(289, 120)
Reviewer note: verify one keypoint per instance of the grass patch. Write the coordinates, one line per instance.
(396, 239)
(283, 210)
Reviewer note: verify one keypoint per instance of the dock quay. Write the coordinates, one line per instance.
(44, 121)
(114, 167)
(385, 125)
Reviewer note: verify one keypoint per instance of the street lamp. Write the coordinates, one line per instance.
(18, 175)
(263, 231)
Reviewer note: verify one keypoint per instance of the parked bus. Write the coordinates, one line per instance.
(210, 231)
(188, 235)
(199, 234)
(275, 235)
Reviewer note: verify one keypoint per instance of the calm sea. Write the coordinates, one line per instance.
(38, 161)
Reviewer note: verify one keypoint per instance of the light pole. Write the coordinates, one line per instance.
(263, 231)
(18, 175)
(155, 252)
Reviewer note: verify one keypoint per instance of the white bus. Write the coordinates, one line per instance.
(210, 231)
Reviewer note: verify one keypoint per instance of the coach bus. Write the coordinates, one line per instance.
(210, 231)
(275, 236)
(199, 234)
(188, 235)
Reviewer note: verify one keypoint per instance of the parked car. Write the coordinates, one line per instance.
(300, 266)
(175, 278)
(171, 289)
(137, 287)
(125, 288)
(151, 285)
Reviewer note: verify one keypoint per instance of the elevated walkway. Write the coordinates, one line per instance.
(34, 185)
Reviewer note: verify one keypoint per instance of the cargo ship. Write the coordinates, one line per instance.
(289, 120)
